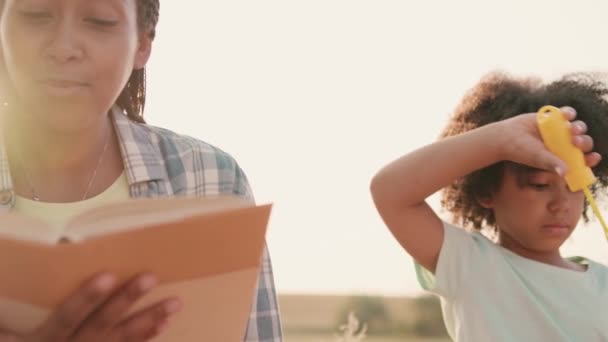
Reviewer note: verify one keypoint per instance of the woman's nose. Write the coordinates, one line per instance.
(63, 44)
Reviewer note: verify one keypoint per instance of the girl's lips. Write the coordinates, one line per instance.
(556, 229)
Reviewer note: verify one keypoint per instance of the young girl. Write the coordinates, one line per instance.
(74, 137)
(497, 174)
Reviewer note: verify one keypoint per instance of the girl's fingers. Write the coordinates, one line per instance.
(569, 112)
(592, 159)
(584, 142)
(578, 127)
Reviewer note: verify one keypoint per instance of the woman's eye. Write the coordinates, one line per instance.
(35, 15)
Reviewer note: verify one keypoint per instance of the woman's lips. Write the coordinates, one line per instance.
(62, 87)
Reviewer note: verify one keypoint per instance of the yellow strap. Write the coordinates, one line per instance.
(596, 210)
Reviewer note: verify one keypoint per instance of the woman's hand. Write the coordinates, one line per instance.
(95, 313)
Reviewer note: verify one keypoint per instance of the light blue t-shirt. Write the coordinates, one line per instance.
(489, 293)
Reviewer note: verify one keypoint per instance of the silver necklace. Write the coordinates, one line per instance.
(35, 196)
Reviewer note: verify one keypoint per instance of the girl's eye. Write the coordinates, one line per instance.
(538, 186)
(102, 22)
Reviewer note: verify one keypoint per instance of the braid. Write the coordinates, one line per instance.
(147, 15)
(133, 97)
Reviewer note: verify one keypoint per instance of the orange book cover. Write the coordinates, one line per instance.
(206, 251)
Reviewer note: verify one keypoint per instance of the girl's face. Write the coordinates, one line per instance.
(68, 60)
(535, 210)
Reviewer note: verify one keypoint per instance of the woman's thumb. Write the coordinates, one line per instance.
(7, 336)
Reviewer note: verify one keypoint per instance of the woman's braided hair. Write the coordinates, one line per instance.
(132, 99)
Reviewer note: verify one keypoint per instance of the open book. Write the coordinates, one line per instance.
(206, 251)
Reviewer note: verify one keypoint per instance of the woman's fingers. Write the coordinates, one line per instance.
(113, 310)
(70, 315)
(147, 323)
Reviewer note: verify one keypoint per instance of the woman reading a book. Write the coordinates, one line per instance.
(74, 137)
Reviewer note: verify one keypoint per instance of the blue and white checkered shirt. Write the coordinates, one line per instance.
(158, 163)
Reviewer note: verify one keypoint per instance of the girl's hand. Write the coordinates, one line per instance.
(522, 143)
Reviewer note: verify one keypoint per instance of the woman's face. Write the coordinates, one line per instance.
(68, 60)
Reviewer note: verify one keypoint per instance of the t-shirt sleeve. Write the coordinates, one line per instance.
(459, 252)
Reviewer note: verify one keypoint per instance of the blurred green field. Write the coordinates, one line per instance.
(317, 318)
(329, 338)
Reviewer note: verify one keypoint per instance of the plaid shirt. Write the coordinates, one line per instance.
(159, 162)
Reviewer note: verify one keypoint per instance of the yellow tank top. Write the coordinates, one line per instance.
(58, 214)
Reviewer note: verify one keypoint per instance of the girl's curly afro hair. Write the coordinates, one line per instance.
(499, 96)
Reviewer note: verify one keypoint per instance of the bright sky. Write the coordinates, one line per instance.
(313, 97)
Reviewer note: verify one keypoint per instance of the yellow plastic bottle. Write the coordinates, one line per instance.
(555, 130)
